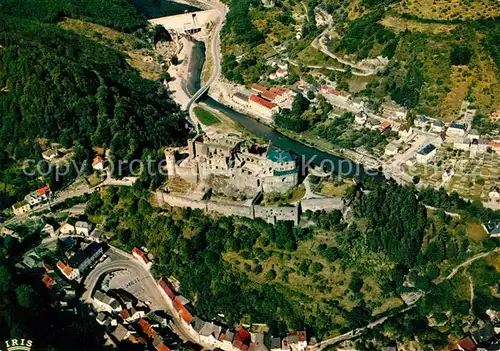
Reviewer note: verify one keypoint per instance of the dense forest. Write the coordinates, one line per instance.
(71, 90)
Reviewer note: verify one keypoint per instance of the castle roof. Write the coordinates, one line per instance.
(280, 156)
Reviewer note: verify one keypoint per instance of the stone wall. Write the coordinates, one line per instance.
(271, 214)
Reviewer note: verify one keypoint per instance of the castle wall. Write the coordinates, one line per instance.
(279, 184)
(272, 214)
(230, 208)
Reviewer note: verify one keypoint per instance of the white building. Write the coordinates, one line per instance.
(98, 163)
(21, 208)
(437, 126)
(426, 153)
(421, 121)
(83, 228)
(263, 107)
(391, 149)
(494, 196)
(360, 118)
(69, 272)
(456, 129)
(104, 302)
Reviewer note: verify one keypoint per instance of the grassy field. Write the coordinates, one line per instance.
(206, 117)
(451, 9)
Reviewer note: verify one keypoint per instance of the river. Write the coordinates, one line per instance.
(307, 154)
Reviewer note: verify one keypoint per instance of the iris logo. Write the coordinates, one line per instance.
(19, 345)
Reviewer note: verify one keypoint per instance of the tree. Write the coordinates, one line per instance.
(25, 296)
(416, 180)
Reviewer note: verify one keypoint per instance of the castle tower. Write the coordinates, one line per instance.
(170, 159)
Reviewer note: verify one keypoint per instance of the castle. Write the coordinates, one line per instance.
(232, 165)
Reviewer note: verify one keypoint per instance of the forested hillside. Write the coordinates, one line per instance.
(69, 89)
(328, 278)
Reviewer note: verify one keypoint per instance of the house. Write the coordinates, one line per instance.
(121, 333)
(101, 318)
(426, 153)
(494, 196)
(48, 230)
(372, 124)
(38, 196)
(492, 228)
(437, 126)
(98, 163)
(142, 258)
(473, 134)
(456, 129)
(4, 231)
(483, 333)
(83, 228)
(495, 116)
(146, 329)
(467, 344)
(48, 281)
(478, 146)
(67, 271)
(209, 333)
(67, 228)
(263, 107)
(83, 259)
(49, 155)
(280, 73)
(447, 175)
(241, 99)
(421, 121)
(405, 133)
(391, 149)
(394, 111)
(182, 311)
(384, 125)
(335, 96)
(21, 208)
(104, 302)
(360, 118)
(165, 289)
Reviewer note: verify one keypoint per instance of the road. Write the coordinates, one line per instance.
(467, 263)
(320, 45)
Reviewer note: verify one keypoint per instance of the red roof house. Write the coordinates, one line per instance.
(48, 281)
(166, 289)
(183, 312)
(467, 344)
(140, 255)
(43, 190)
(147, 329)
(384, 125)
(262, 102)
